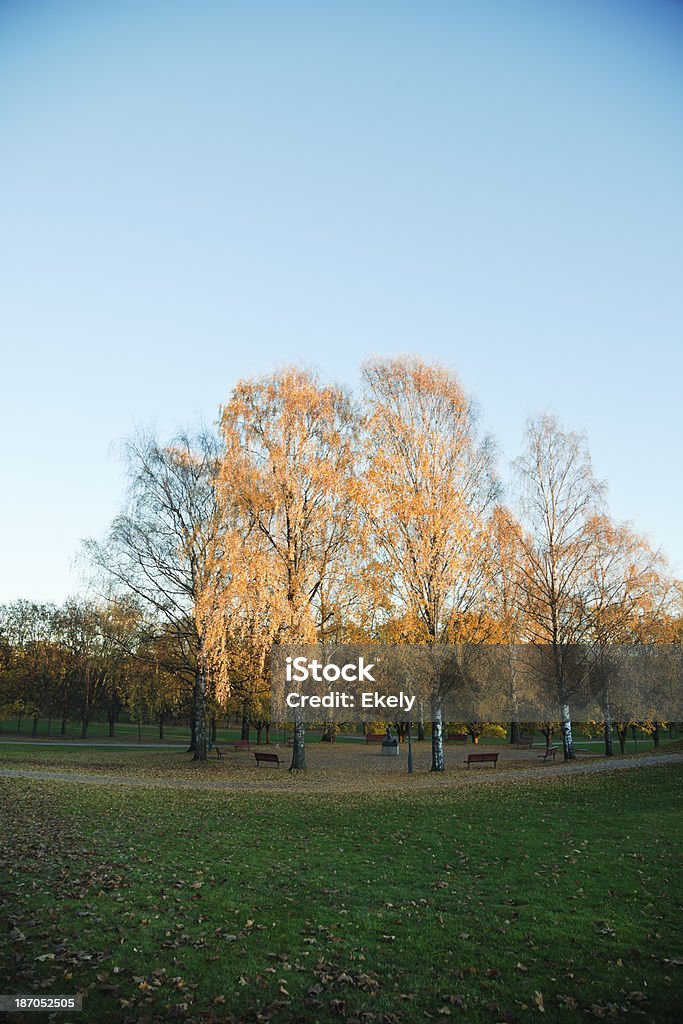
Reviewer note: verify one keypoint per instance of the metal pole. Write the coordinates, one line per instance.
(410, 750)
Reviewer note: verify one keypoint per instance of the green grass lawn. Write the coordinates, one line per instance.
(483, 905)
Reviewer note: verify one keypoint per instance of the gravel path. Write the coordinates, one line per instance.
(95, 744)
(457, 777)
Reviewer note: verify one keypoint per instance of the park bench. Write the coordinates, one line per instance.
(375, 737)
(456, 737)
(236, 744)
(549, 752)
(476, 758)
(525, 742)
(262, 755)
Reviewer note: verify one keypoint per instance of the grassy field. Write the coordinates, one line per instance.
(516, 902)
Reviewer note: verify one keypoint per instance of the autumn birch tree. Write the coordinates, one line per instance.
(428, 488)
(249, 613)
(287, 477)
(631, 599)
(505, 607)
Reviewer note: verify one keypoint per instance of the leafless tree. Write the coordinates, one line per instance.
(559, 498)
(161, 549)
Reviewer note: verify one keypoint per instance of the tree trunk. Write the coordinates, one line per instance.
(112, 721)
(622, 734)
(608, 723)
(267, 733)
(245, 724)
(565, 715)
(609, 749)
(65, 716)
(259, 733)
(86, 703)
(512, 676)
(34, 730)
(161, 725)
(199, 716)
(655, 735)
(566, 727)
(421, 730)
(214, 729)
(299, 747)
(437, 740)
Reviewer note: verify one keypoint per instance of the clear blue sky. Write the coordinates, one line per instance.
(195, 192)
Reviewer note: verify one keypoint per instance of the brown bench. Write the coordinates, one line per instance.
(456, 737)
(477, 758)
(375, 737)
(261, 755)
(237, 744)
(525, 742)
(549, 752)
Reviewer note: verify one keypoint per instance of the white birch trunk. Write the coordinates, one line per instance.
(566, 727)
(437, 739)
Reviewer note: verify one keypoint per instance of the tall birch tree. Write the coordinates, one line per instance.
(559, 498)
(428, 488)
(631, 599)
(287, 476)
(162, 550)
(506, 610)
